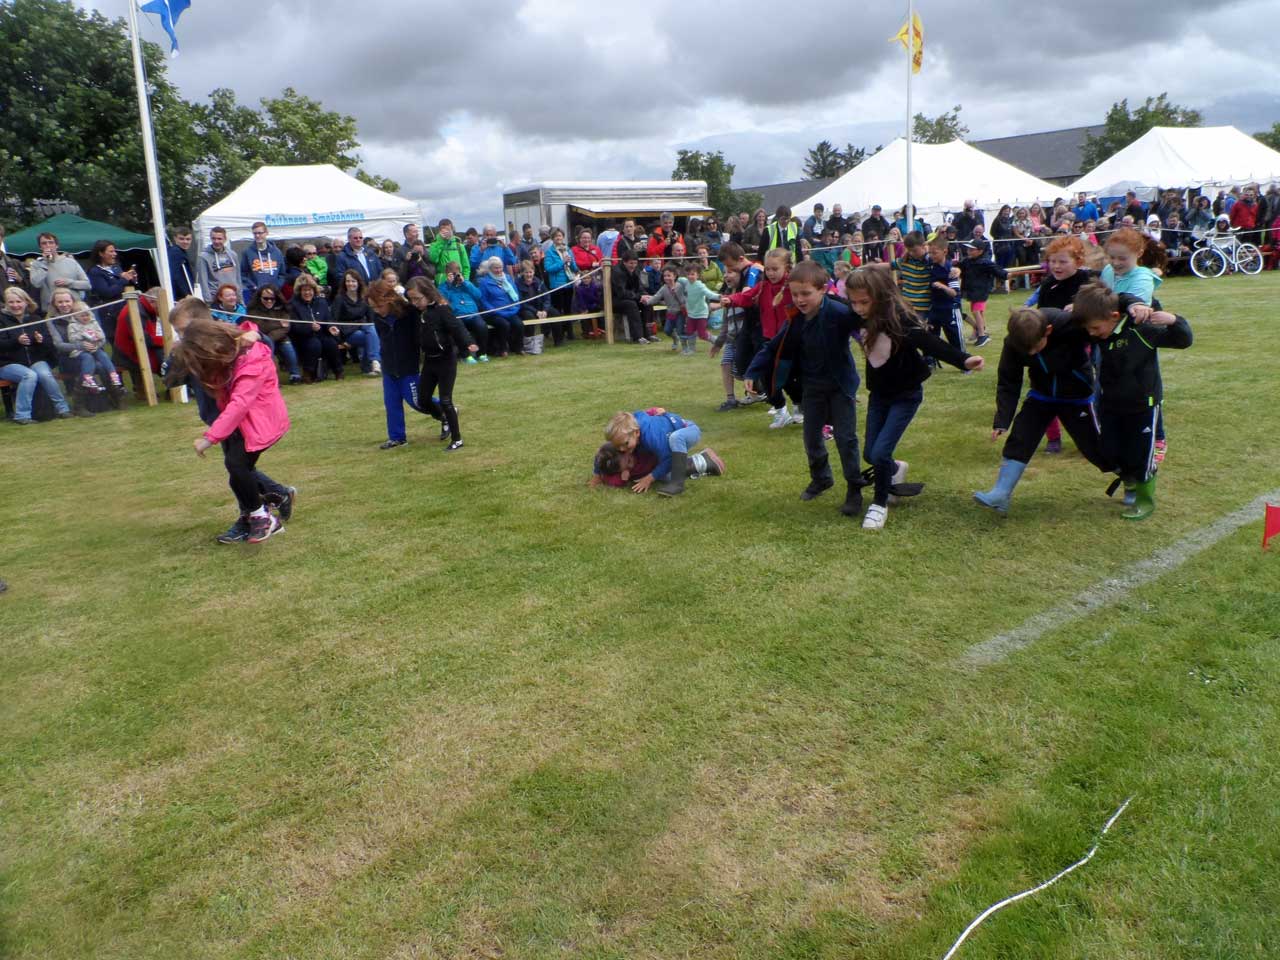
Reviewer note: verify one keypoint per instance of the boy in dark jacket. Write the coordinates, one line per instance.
(978, 275)
(1129, 387)
(810, 358)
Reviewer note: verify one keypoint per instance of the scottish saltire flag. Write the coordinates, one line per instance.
(168, 11)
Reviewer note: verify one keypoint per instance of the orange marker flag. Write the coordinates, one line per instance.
(1270, 524)
(911, 36)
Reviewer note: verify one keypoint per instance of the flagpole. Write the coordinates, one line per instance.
(149, 154)
(909, 216)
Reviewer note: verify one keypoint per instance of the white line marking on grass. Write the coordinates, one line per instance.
(1109, 591)
(1026, 893)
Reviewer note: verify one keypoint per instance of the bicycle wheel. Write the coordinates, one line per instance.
(1208, 263)
(1249, 259)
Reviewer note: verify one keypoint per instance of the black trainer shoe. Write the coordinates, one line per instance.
(816, 489)
(445, 432)
(283, 502)
(238, 532)
(456, 445)
(262, 526)
(730, 404)
(391, 444)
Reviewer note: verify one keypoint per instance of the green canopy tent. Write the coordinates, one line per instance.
(76, 236)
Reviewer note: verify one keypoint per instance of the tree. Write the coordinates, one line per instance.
(1270, 137)
(1121, 128)
(941, 129)
(824, 162)
(718, 173)
(69, 128)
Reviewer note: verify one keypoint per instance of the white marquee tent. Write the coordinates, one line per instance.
(308, 201)
(943, 175)
(1168, 157)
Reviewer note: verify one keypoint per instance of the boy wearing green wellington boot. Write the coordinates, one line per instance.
(1129, 387)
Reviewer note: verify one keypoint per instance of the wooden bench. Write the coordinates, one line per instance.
(1033, 274)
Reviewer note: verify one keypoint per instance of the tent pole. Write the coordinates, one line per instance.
(149, 153)
(908, 216)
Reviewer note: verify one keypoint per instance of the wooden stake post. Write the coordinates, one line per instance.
(175, 393)
(140, 347)
(608, 301)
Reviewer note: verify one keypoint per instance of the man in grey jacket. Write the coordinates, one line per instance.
(54, 271)
(217, 265)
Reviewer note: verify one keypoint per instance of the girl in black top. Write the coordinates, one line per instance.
(893, 341)
(438, 334)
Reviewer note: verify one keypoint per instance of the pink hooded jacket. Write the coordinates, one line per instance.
(251, 401)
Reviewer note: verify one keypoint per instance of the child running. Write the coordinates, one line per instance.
(397, 326)
(893, 340)
(772, 297)
(1129, 386)
(730, 331)
(671, 295)
(438, 334)
(698, 299)
(663, 434)
(978, 275)
(240, 373)
(945, 315)
(810, 357)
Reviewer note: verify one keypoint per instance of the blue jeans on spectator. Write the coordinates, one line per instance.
(95, 360)
(284, 348)
(27, 378)
(687, 436)
(396, 392)
(887, 420)
(365, 339)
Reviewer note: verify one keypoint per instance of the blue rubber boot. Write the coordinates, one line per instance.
(997, 498)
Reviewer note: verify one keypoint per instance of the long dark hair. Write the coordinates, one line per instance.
(360, 287)
(256, 305)
(425, 287)
(99, 246)
(890, 315)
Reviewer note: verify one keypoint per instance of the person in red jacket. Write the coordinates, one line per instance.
(151, 327)
(1244, 215)
(772, 296)
(586, 255)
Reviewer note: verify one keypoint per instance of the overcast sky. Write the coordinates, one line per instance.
(459, 101)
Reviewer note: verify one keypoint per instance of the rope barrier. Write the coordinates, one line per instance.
(1026, 893)
(461, 316)
(43, 321)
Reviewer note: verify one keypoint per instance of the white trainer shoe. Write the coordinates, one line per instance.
(875, 518)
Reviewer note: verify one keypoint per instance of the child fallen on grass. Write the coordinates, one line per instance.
(613, 468)
(665, 435)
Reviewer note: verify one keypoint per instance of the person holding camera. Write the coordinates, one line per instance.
(492, 245)
(448, 248)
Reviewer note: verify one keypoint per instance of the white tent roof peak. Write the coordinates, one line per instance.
(308, 201)
(943, 175)
(1183, 157)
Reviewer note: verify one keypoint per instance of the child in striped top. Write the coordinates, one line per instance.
(915, 274)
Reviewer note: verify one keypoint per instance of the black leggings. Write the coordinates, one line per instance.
(242, 473)
(440, 373)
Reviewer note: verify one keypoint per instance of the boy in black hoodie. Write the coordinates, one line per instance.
(1129, 387)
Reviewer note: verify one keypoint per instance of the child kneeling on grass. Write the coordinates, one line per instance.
(1129, 387)
(663, 434)
(811, 360)
(240, 373)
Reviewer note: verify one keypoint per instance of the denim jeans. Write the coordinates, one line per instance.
(284, 348)
(27, 378)
(687, 436)
(98, 360)
(887, 420)
(365, 339)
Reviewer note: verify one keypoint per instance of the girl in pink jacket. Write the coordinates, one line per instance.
(239, 370)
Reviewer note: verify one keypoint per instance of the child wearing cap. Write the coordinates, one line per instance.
(978, 275)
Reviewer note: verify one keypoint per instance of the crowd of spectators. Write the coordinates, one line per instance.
(509, 288)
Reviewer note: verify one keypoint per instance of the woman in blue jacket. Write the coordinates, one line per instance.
(498, 294)
(106, 284)
(464, 300)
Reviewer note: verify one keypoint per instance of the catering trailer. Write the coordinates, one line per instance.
(572, 203)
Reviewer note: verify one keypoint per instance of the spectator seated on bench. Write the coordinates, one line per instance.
(126, 354)
(269, 312)
(28, 356)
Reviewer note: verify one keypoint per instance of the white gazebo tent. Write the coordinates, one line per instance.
(304, 202)
(943, 176)
(1169, 157)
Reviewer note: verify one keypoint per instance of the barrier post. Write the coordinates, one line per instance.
(140, 347)
(608, 301)
(162, 305)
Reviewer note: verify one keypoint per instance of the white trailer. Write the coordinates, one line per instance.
(572, 203)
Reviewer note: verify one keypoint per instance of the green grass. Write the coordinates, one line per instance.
(465, 707)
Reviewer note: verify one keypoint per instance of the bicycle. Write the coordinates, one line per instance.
(1212, 257)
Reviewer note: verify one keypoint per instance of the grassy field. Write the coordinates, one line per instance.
(465, 707)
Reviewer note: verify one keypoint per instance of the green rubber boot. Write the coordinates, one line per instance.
(1144, 500)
